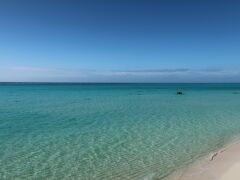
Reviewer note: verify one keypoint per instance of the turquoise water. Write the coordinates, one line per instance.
(112, 131)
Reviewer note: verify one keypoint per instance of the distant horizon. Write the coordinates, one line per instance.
(180, 75)
(42, 82)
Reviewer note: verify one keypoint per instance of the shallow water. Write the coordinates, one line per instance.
(112, 131)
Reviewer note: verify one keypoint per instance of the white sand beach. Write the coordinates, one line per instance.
(222, 165)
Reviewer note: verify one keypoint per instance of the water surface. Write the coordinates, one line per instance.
(112, 131)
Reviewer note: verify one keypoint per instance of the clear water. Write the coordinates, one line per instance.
(112, 131)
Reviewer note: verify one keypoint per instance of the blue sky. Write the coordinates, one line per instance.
(120, 41)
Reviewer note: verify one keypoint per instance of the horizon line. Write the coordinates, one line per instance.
(64, 82)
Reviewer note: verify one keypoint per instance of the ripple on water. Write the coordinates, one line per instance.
(111, 132)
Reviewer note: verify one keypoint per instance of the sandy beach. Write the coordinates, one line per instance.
(222, 165)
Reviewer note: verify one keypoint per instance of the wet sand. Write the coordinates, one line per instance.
(221, 165)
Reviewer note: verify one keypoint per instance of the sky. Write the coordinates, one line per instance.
(120, 40)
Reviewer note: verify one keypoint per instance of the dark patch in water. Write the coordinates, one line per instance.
(72, 119)
(179, 93)
(87, 99)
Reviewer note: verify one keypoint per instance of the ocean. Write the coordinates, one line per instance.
(112, 131)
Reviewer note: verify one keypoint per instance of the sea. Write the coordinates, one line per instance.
(112, 131)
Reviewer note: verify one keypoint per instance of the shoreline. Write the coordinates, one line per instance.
(223, 164)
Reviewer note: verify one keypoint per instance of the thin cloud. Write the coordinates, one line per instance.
(157, 70)
(25, 73)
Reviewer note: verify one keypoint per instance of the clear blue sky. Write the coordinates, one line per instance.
(120, 40)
